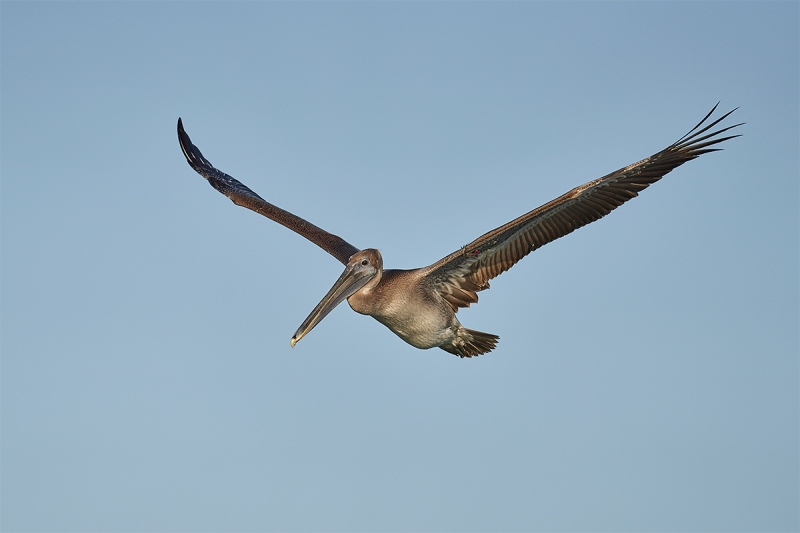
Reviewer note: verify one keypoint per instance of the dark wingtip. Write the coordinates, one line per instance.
(181, 131)
(186, 145)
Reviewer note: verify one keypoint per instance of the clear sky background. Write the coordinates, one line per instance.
(647, 373)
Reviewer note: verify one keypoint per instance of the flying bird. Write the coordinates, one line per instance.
(420, 305)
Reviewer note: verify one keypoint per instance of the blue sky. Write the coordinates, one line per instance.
(647, 373)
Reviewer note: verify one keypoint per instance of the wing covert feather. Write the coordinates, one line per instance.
(460, 275)
(241, 195)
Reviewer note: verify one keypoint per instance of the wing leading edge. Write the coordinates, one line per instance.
(241, 195)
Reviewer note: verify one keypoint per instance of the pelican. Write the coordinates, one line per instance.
(420, 305)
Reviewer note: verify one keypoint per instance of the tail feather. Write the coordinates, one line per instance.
(471, 343)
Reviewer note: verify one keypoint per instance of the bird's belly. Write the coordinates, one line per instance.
(420, 329)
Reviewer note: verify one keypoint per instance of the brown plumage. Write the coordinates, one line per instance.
(419, 305)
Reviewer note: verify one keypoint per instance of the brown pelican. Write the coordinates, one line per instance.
(420, 305)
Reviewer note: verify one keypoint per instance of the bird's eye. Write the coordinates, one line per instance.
(364, 262)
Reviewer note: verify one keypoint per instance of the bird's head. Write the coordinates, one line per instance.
(363, 271)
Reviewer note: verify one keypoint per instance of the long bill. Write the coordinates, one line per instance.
(348, 284)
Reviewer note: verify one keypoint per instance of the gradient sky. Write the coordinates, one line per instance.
(647, 373)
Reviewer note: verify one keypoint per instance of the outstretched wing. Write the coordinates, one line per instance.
(460, 275)
(243, 196)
